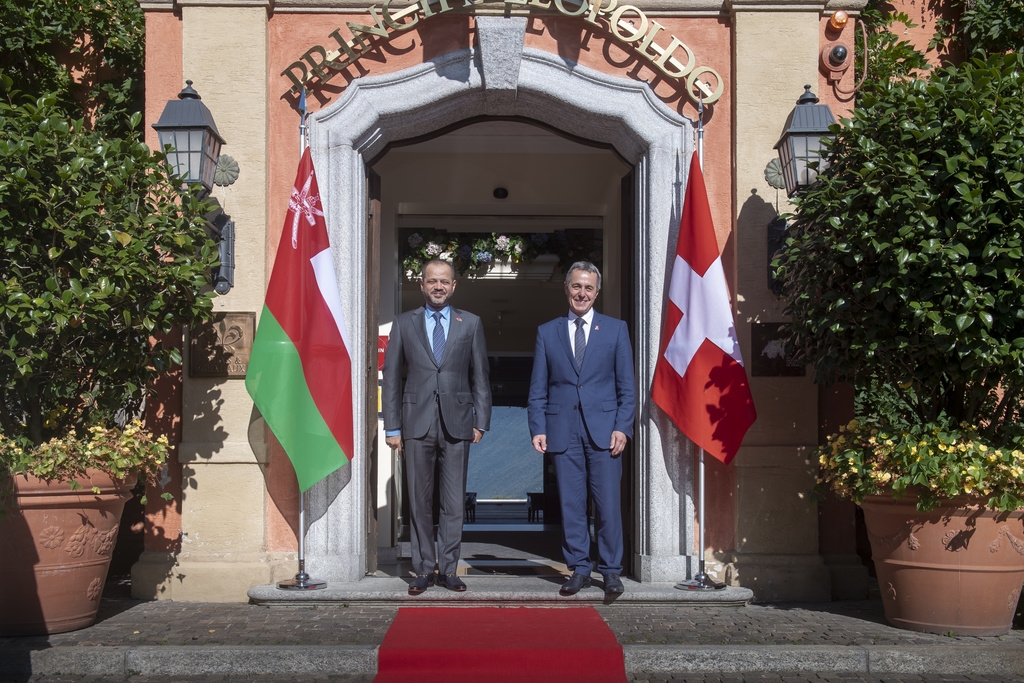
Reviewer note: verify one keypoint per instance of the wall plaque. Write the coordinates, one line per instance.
(221, 347)
(771, 357)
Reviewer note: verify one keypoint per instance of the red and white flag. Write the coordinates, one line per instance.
(699, 381)
(300, 373)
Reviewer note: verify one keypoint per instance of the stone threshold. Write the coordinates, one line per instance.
(502, 590)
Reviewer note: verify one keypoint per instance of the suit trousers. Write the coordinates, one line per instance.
(421, 456)
(581, 468)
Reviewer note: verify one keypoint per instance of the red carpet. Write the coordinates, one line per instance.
(498, 645)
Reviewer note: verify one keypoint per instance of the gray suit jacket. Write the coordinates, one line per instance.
(461, 381)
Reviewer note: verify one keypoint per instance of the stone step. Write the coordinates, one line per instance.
(495, 590)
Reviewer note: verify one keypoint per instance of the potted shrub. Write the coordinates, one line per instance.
(945, 516)
(902, 275)
(61, 502)
(102, 254)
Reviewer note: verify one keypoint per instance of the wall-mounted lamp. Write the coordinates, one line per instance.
(800, 144)
(186, 126)
(190, 139)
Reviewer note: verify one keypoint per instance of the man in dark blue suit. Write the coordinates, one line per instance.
(581, 409)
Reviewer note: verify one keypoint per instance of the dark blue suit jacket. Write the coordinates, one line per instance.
(603, 388)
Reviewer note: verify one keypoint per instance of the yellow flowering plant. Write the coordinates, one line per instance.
(940, 460)
(117, 452)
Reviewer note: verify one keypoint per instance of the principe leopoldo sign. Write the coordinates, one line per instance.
(627, 24)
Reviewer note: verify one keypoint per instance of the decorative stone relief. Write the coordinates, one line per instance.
(77, 542)
(1015, 543)
(103, 542)
(955, 541)
(51, 537)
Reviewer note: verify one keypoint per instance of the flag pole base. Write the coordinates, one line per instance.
(302, 582)
(700, 582)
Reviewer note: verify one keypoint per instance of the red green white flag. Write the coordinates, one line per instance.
(300, 371)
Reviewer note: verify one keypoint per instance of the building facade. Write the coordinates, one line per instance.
(533, 116)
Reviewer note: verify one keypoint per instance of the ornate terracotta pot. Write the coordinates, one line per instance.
(955, 569)
(55, 549)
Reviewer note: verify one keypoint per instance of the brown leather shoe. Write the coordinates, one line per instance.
(421, 583)
(451, 582)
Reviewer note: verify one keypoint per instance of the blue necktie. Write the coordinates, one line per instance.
(581, 343)
(438, 340)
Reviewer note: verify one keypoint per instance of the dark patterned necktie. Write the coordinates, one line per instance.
(438, 337)
(581, 343)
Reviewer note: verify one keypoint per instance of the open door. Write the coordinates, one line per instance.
(627, 303)
(371, 403)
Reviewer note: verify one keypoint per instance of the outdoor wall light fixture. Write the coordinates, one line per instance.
(190, 139)
(799, 147)
(800, 144)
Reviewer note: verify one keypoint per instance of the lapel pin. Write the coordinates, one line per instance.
(596, 328)
(459, 320)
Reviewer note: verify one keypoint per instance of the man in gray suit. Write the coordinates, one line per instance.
(446, 405)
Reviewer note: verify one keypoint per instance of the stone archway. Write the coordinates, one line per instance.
(502, 78)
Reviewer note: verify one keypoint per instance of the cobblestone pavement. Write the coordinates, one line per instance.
(858, 622)
(125, 622)
(861, 622)
(794, 677)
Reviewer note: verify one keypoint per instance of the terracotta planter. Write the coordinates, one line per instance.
(55, 550)
(954, 569)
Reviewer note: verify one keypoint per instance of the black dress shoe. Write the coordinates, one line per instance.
(613, 585)
(451, 582)
(575, 584)
(421, 583)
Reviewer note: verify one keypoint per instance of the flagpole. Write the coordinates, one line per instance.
(302, 121)
(701, 581)
(700, 131)
(302, 580)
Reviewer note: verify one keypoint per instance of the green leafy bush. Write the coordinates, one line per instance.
(902, 271)
(903, 264)
(100, 254)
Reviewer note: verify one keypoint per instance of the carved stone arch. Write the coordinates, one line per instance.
(502, 78)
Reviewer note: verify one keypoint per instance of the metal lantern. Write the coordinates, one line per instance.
(187, 127)
(800, 144)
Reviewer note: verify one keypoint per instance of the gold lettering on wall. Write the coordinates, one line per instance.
(627, 23)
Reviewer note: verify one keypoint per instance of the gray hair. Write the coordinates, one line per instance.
(585, 266)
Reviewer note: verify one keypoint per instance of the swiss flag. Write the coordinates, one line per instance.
(699, 381)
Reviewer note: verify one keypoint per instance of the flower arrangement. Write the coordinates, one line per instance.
(480, 251)
(117, 452)
(940, 460)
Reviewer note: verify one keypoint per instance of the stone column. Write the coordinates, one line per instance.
(224, 500)
(776, 546)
